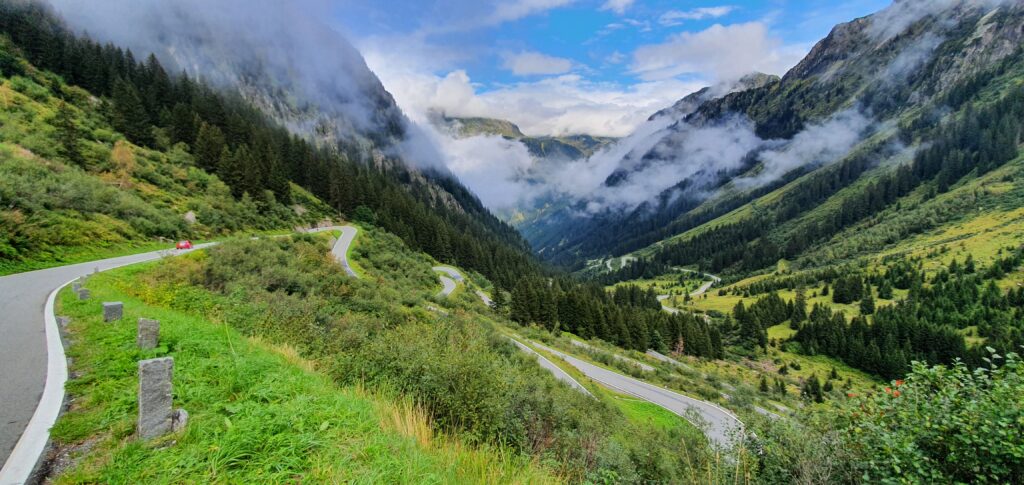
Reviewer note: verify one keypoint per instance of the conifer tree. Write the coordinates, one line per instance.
(209, 147)
(68, 135)
(867, 305)
(129, 114)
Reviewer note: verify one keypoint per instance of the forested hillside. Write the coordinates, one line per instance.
(887, 96)
(223, 135)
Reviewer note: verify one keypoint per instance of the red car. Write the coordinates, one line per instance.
(186, 244)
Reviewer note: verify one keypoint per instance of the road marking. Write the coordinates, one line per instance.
(22, 460)
(27, 452)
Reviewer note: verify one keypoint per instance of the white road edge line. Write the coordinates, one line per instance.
(30, 446)
(540, 356)
(29, 449)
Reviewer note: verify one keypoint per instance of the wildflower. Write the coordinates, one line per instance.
(899, 382)
(850, 394)
(888, 390)
(896, 394)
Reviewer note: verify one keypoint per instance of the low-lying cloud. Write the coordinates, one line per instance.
(818, 144)
(281, 46)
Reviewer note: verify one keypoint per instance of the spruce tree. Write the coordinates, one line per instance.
(129, 114)
(867, 305)
(209, 147)
(68, 135)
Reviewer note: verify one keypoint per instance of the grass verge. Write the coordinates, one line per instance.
(259, 413)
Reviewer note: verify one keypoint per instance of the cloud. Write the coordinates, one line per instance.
(566, 104)
(895, 19)
(509, 10)
(721, 52)
(818, 144)
(259, 46)
(533, 63)
(698, 154)
(911, 58)
(676, 17)
(617, 6)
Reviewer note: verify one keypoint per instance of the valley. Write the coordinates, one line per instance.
(809, 275)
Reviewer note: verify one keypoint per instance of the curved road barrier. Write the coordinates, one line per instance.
(32, 353)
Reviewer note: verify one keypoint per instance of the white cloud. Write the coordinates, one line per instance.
(818, 144)
(722, 52)
(676, 17)
(566, 104)
(617, 6)
(507, 11)
(533, 63)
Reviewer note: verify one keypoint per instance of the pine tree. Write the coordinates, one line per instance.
(764, 385)
(885, 290)
(658, 343)
(230, 171)
(209, 147)
(68, 135)
(867, 305)
(129, 114)
(499, 301)
(812, 389)
(799, 307)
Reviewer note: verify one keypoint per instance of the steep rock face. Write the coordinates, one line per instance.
(865, 81)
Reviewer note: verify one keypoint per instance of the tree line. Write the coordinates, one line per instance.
(253, 154)
(627, 316)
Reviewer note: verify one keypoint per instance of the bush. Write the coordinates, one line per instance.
(469, 378)
(938, 425)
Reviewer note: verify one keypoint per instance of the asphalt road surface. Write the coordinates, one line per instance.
(547, 364)
(449, 281)
(720, 425)
(23, 349)
(340, 249)
(23, 342)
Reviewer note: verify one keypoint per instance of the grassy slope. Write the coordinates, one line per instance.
(258, 412)
(125, 199)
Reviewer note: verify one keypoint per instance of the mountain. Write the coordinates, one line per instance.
(550, 148)
(213, 131)
(868, 95)
(295, 69)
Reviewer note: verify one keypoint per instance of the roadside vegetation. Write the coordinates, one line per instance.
(378, 333)
(259, 411)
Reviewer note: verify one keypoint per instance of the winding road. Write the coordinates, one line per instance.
(341, 247)
(721, 425)
(449, 280)
(34, 367)
(547, 364)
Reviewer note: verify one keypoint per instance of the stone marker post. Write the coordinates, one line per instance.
(76, 286)
(112, 311)
(149, 333)
(155, 416)
(83, 294)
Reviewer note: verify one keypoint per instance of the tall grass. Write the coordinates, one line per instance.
(259, 412)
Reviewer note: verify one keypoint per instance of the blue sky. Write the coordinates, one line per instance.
(565, 66)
